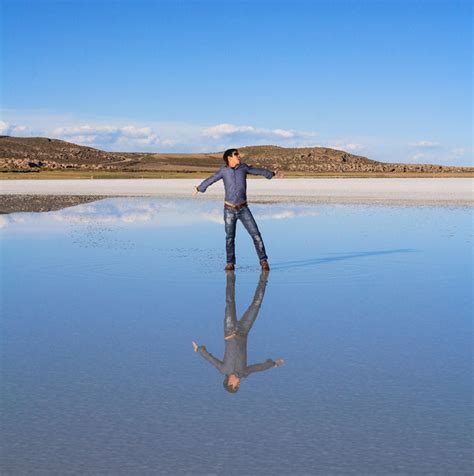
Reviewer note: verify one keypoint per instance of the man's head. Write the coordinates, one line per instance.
(232, 157)
(232, 383)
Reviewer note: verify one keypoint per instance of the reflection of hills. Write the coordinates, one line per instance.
(37, 153)
(42, 203)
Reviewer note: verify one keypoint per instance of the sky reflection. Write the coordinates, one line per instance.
(143, 211)
(369, 306)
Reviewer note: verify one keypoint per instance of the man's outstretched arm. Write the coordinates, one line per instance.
(202, 187)
(268, 364)
(201, 349)
(264, 172)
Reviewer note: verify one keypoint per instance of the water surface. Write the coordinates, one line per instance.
(369, 306)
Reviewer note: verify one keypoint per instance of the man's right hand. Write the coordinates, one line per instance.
(195, 346)
(279, 362)
(195, 191)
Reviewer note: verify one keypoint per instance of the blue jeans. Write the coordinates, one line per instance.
(245, 216)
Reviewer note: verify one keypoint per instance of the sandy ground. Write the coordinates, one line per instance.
(338, 190)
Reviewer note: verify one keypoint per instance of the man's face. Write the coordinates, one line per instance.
(234, 159)
(234, 381)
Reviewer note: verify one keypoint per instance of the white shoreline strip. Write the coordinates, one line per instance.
(391, 190)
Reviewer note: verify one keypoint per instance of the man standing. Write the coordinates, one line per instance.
(234, 174)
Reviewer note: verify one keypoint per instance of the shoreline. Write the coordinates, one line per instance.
(203, 173)
(48, 195)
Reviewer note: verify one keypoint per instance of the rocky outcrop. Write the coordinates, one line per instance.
(313, 160)
(35, 164)
(42, 152)
(32, 154)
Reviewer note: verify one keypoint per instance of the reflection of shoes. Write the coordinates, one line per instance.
(264, 265)
(229, 267)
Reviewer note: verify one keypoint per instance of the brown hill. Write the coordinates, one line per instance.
(41, 153)
(25, 153)
(316, 160)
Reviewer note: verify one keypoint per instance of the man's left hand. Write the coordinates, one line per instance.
(278, 174)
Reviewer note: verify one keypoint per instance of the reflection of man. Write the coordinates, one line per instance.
(234, 175)
(234, 366)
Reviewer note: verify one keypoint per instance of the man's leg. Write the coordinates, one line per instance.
(230, 222)
(248, 221)
(247, 320)
(230, 318)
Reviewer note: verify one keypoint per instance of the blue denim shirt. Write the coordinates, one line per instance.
(235, 359)
(235, 181)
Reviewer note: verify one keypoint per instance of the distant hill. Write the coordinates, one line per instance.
(40, 153)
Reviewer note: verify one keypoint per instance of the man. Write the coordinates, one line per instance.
(234, 365)
(234, 174)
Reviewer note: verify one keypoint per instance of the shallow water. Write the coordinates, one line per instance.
(369, 306)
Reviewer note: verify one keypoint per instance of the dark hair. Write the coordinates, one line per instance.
(228, 387)
(227, 154)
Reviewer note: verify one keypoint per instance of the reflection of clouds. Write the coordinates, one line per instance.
(152, 211)
(169, 213)
(286, 213)
(128, 211)
(6, 220)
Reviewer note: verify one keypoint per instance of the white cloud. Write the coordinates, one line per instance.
(123, 135)
(435, 153)
(7, 129)
(464, 154)
(221, 130)
(159, 137)
(420, 157)
(344, 145)
(283, 133)
(129, 137)
(354, 147)
(132, 131)
(425, 144)
(251, 133)
(459, 152)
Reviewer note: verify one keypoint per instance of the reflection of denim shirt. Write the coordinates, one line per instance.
(235, 358)
(235, 181)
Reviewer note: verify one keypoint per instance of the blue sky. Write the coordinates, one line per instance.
(389, 80)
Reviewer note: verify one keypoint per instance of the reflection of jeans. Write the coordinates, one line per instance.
(236, 332)
(245, 216)
(242, 327)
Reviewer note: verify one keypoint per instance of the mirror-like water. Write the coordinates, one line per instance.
(369, 307)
